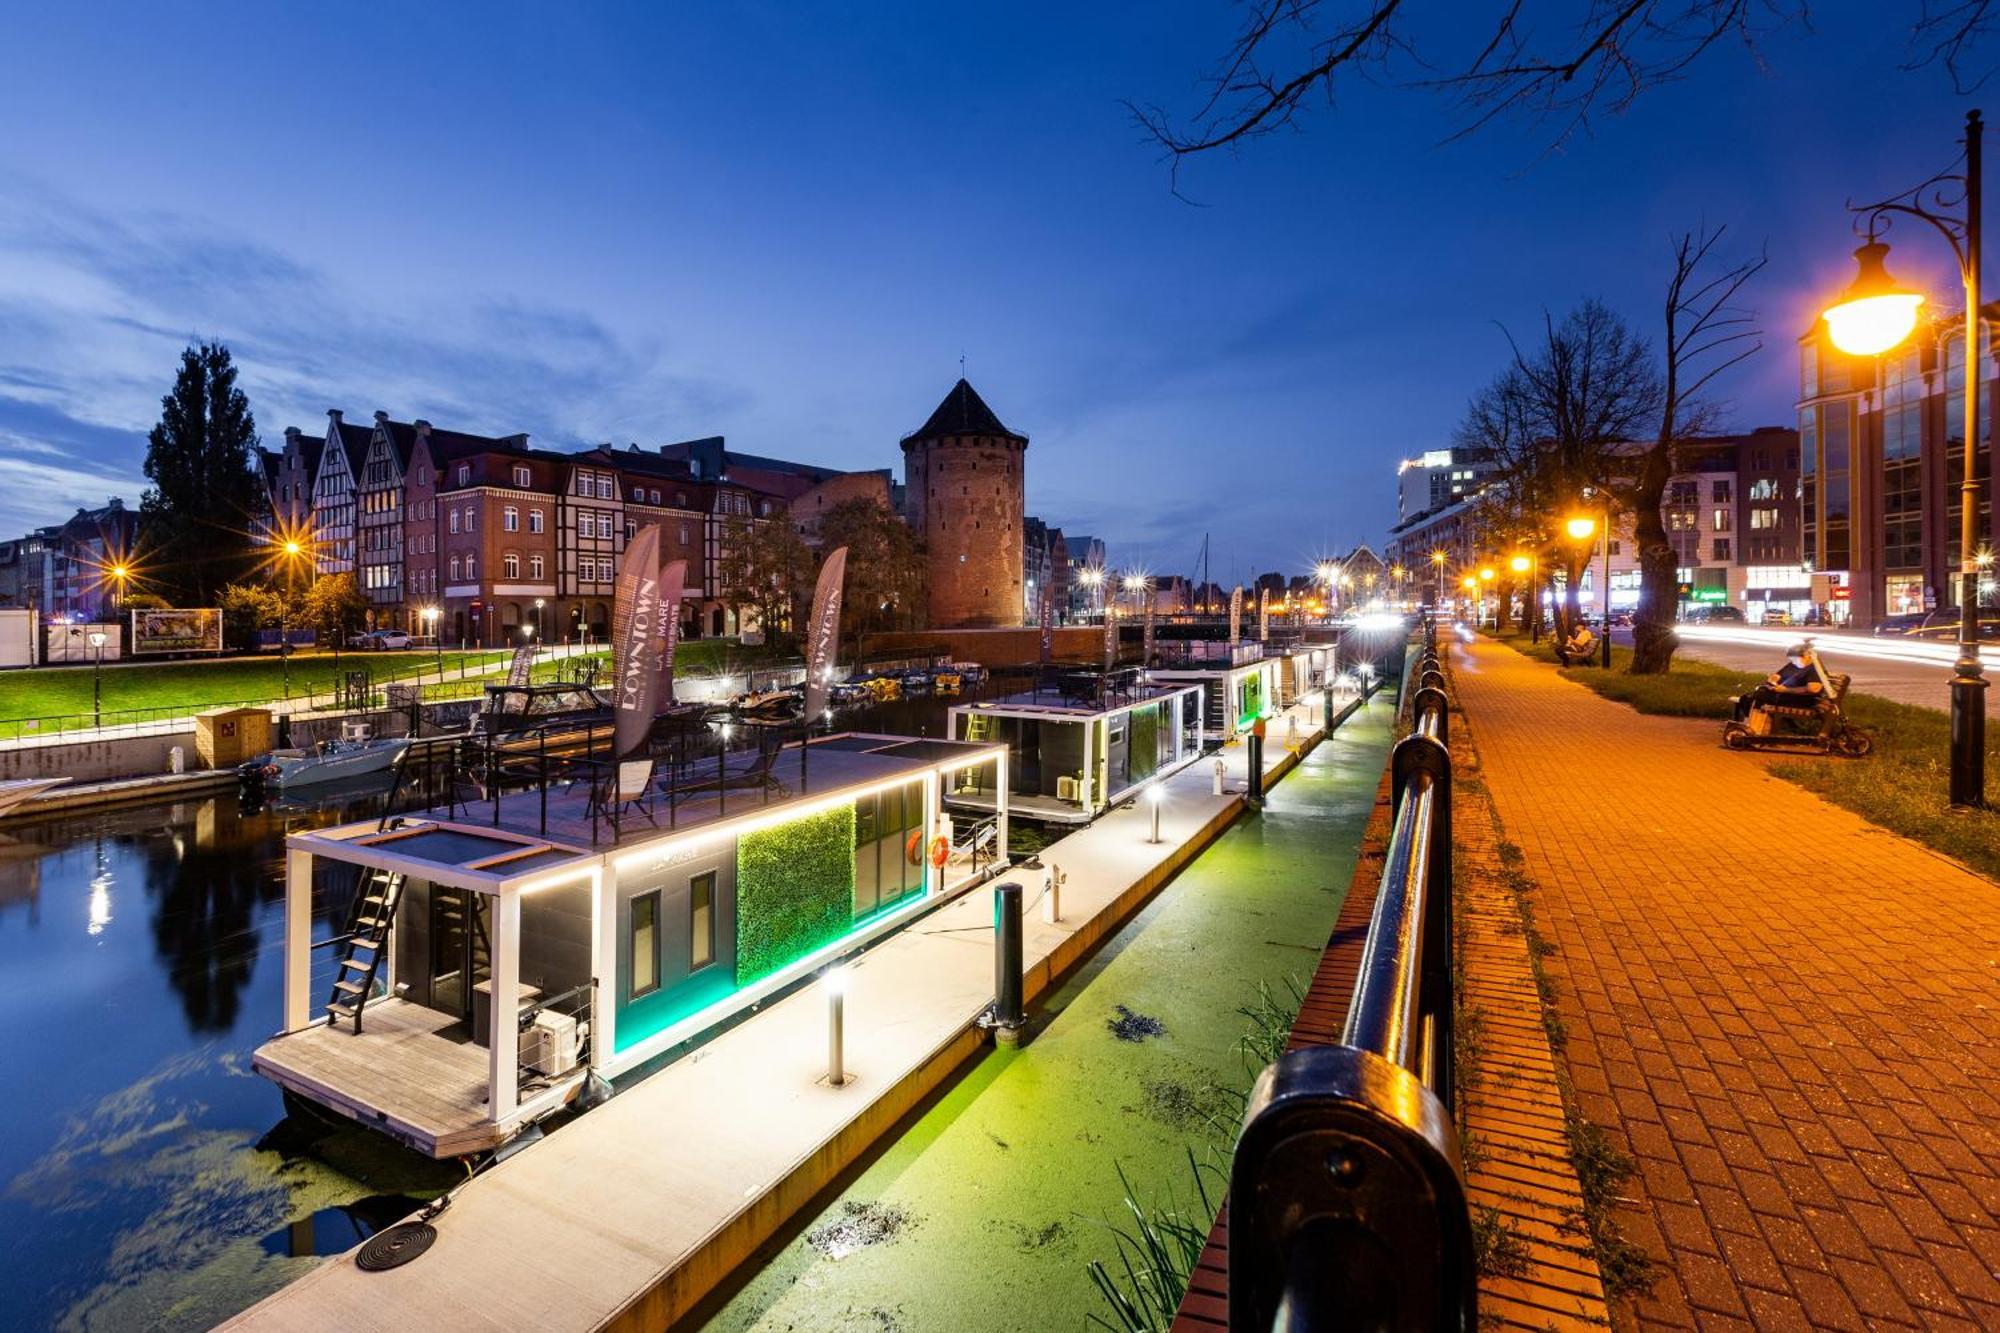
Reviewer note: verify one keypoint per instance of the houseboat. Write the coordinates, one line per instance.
(1304, 669)
(1079, 742)
(493, 957)
(1240, 683)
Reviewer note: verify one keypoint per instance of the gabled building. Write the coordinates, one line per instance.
(333, 503)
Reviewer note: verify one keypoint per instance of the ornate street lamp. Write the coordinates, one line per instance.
(1873, 316)
(1525, 564)
(1581, 529)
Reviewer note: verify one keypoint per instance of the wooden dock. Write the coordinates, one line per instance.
(629, 1216)
(416, 1075)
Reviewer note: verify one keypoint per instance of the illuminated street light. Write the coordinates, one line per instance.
(1875, 312)
(1581, 529)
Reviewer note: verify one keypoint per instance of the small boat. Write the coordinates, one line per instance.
(769, 703)
(353, 755)
(17, 790)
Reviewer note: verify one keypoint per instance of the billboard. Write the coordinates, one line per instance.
(181, 630)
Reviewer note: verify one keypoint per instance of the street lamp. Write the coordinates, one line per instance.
(1093, 578)
(1581, 529)
(97, 679)
(1525, 564)
(539, 604)
(1873, 315)
(1438, 559)
(430, 615)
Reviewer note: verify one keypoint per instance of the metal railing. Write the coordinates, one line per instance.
(1347, 1198)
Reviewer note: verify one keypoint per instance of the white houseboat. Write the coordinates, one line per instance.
(495, 955)
(1079, 742)
(1239, 681)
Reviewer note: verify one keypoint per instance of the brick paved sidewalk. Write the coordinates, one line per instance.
(1789, 1017)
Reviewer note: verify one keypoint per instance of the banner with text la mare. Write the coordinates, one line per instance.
(673, 581)
(823, 634)
(635, 639)
(181, 630)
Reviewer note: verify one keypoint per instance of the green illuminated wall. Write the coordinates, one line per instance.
(1253, 698)
(794, 890)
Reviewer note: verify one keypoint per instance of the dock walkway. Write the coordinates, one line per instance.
(630, 1215)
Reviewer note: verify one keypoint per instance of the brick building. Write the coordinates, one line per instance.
(964, 481)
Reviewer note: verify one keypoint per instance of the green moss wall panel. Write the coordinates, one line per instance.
(794, 890)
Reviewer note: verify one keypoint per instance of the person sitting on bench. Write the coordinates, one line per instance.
(1796, 684)
(1581, 645)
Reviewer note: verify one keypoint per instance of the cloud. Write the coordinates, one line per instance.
(95, 309)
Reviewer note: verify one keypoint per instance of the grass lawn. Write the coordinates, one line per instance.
(62, 695)
(1902, 786)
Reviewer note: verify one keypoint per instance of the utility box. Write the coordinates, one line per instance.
(225, 737)
(20, 638)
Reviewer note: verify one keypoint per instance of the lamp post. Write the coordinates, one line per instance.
(1438, 559)
(430, 615)
(1093, 578)
(97, 678)
(293, 550)
(1486, 577)
(1325, 573)
(539, 604)
(1875, 314)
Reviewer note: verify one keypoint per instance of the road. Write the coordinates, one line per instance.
(1896, 669)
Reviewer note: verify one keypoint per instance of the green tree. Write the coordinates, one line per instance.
(247, 608)
(765, 566)
(885, 567)
(197, 513)
(331, 607)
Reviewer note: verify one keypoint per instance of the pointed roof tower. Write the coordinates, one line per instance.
(963, 412)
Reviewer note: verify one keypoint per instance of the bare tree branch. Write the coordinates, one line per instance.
(1947, 32)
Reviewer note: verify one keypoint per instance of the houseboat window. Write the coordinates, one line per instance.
(645, 944)
(701, 921)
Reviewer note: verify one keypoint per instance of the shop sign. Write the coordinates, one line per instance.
(1709, 595)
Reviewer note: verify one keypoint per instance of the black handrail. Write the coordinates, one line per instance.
(1347, 1196)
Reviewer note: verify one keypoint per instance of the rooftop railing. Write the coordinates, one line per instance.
(1347, 1198)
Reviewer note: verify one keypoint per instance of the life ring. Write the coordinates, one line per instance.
(914, 848)
(940, 851)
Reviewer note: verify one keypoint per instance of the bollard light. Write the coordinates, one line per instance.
(1052, 894)
(1156, 796)
(835, 982)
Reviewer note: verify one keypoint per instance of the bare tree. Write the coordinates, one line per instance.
(1552, 62)
(1558, 420)
(1707, 332)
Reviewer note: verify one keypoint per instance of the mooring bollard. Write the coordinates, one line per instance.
(836, 1027)
(1253, 794)
(1007, 1015)
(1221, 774)
(1052, 882)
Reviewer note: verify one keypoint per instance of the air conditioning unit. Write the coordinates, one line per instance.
(1066, 789)
(551, 1044)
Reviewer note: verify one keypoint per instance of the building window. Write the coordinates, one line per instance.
(604, 488)
(583, 483)
(701, 921)
(583, 526)
(510, 519)
(604, 526)
(520, 475)
(645, 944)
(630, 529)
(510, 565)
(454, 568)
(656, 495)
(1722, 520)
(1719, 492)
(534, 520)
(535, 567)
(453, 516)
(464, 474)
(1722, 548)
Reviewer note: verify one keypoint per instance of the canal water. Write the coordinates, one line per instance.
(149, 1179)
(987, 1213)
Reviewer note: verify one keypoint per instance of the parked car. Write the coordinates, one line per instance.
(1777, 616)
(1718, 613)
(1942, 626)
(380, 640)
(1905, 623)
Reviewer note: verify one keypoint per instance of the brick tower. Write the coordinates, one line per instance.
(964, 494)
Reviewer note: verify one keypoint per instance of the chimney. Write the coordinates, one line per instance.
(333, 415)
(422, 427)
(519, 443)
(381, 420)
(291, 436)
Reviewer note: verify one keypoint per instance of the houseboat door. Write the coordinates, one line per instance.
(459, 955)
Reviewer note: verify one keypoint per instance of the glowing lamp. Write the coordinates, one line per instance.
(1470, 583)
(1581, 528)
(1519, 564)
(1875, 312)
(291, 548)
(1486, 574)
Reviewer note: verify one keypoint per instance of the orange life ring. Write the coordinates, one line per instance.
(940, 851)
(914, 848)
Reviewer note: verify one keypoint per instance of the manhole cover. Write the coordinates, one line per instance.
(395, 1247)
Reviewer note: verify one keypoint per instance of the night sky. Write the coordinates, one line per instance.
(785, 224)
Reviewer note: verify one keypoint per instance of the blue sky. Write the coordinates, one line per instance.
(785, 224)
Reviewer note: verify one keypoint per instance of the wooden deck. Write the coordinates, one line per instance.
(402, 1075)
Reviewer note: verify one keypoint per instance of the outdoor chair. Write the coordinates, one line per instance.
(759, 774)
(627, 785)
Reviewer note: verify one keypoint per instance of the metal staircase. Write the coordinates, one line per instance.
(367, 937)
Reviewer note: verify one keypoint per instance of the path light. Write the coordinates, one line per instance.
(835, 980)
(1156, 796)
